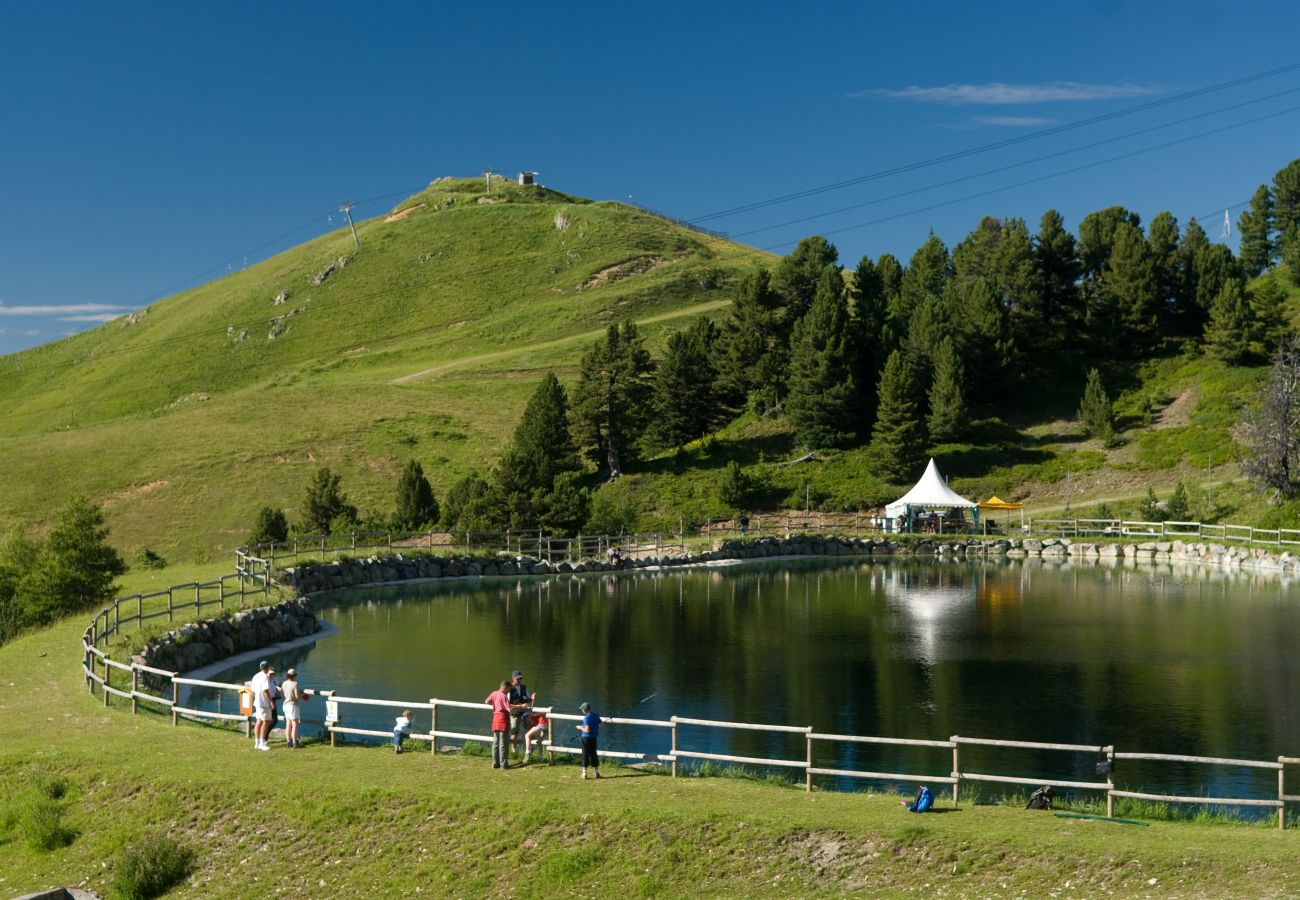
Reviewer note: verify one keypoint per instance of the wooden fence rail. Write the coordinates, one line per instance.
(254, 576)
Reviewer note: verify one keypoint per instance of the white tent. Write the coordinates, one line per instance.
(930, 493)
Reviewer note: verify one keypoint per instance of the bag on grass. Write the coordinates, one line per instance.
(1041, 798)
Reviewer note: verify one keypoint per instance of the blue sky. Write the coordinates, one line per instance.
(145, 148)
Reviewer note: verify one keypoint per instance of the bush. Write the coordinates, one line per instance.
(40, 822)
(150, 868)
(148, 559)
(271, 527)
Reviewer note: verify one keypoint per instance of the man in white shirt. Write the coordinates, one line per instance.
(263, 704)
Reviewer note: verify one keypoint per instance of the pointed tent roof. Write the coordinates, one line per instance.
(932, 492)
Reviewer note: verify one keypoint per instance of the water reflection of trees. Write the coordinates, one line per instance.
(1157, 658)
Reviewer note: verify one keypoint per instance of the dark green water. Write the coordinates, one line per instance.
(1151, 659)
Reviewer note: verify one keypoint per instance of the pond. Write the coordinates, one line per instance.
(1149, 659)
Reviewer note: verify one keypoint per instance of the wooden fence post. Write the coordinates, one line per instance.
(433, 729)
(808, 771)
(221, 593)
(197, 603)
(1110, 783)
(674, 721)
(169, 604)
(108, 680)
(139, 612)
(135, 686)
(117, 614)
(176, 698)
(956, 770)
(1281, 794)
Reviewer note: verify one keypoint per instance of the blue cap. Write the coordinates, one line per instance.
(263, 664)
(585, 707)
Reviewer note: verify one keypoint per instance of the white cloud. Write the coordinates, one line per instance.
(60, 310)
(998, 93)
(96, 317)
(31, 332)
(1013, 121)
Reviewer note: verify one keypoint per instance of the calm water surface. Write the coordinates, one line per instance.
(1150, 659)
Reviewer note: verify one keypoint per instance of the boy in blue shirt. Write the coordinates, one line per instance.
(590, 731)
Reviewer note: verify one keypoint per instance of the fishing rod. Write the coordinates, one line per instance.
(620, 714)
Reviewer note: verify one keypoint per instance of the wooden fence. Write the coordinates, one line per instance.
(138, 683)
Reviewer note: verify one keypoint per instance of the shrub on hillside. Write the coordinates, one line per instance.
(151, 868)
(74, 569)
(271, 527)
(735, 487)
(40, 822)
(324, 503)
(417, 508)
(148, 559)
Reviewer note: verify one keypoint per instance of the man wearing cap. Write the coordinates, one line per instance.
(263, 704)
(520, 702)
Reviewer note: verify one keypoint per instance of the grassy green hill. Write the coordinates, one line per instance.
(185, 418)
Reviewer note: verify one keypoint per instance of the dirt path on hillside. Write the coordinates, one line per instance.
(544, 345)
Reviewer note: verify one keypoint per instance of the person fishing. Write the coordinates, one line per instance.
(589, 729)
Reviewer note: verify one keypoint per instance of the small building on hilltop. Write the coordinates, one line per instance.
(527, 178)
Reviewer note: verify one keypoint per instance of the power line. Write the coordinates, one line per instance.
(996, 145)
(1015, 165)
(1051, 175)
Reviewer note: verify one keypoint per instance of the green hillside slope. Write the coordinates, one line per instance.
(186, 418)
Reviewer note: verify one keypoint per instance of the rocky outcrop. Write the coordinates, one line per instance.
(200, 643)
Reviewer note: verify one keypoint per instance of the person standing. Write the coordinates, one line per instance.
(590, 729)
(294, 695)
(263, 705)
(520, 702)
(499, 700)
(275, 695)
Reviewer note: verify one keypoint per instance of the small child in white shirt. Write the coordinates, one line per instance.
(401, 728)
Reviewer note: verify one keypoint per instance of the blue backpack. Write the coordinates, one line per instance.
(924, 800)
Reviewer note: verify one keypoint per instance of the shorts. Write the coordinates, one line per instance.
(292, 711)
(263, 715)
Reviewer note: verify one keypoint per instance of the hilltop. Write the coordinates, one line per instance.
(187, 416)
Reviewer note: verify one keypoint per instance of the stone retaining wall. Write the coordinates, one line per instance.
(313, 577)
(199, 643)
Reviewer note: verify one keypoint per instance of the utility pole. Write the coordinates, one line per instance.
(346, 209)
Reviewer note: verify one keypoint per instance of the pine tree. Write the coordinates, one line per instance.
(1058, 263)
(1097, 238)
(1130, 288)
(566, 506)
(947, 418)
(926, 276)
(684, 402)
(1289, 244)
(898, 440)
(472, 506)
(74, 568)
(324, 503)
(1255, 225)
(1215, 266)
(271, 527)
(1190, 315)
(1095, 410)
(735, 486)
(1162, 241)
(1286, 197)
(822, 402)
(1270, 429)
(1268, 310)
(1150, 510)
(870, 336)
(416, 507)
(1176, 507)
(611, 404)
(750, 352)
(1227, 334)
(540, 449)
(797, 276)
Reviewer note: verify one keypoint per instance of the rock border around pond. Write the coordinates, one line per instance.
(310, 578)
